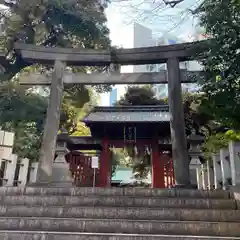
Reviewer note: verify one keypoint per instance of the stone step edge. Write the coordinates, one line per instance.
(2, 197)
(213, 204)
(116, 234)
(114, 219)
(40, 191)
(127, 208)
(179, 204)
(130, 213)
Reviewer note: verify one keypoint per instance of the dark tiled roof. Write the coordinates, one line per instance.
(129, 114)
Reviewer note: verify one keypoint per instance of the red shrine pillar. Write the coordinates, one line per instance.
(157, 167)
(105, 166)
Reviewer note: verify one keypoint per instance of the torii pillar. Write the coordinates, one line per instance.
(51, 128)
(177, 125)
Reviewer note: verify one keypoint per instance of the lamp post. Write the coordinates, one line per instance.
(195, 153)
(61, 175)
(61, 145)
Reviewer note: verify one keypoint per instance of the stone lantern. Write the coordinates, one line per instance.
(195, 163)
(195, 150)
(61, 175)
(61, 144)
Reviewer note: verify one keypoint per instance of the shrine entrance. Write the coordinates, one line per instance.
(140, 129)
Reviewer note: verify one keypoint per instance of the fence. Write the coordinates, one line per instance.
(13, 170)
(222, 171)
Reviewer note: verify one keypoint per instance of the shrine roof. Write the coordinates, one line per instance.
(147, 113)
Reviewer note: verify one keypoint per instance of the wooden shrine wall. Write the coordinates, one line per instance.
(168, 171)
(80, 167)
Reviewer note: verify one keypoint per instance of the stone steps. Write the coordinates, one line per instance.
(119, 201)
(229, 229)
(117, 214)
(10, 235)
(170, 214)
(110, 192)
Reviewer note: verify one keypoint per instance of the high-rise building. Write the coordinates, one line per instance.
(161, 90)
(141, 36)
(113, 97)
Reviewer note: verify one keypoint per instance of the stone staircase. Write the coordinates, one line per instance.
(117, 214)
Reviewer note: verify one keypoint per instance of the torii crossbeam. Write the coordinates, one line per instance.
(111, 78)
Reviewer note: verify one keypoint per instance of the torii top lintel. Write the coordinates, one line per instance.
(131, 56)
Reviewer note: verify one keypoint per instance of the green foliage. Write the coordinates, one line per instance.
(221, 19)
(232, 135)
(75, 24)
(141, 166)
(18, 105)
(196, 117)
(23, 112)
(219, 140)
(80, 23)
(27, 140)
(139, 96)
(51, 23)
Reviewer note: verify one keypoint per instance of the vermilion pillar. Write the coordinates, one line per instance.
(157, 167)
(105, 165)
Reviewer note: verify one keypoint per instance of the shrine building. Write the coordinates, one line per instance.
(145, 128)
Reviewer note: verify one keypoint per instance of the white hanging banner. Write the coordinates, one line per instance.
(94, 162)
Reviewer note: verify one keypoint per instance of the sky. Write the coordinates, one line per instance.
(159, 18)
(164, 19)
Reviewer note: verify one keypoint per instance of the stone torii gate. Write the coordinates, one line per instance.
(60, 57)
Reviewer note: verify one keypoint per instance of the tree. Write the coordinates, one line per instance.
(23, 113)
(139, 96)
(197, 118)
(80, 23)
(172, 3)
(77, 24)
(18, 105)
(218, 140)
(221, 19)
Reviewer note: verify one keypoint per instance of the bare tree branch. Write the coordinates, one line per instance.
(172, 3)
